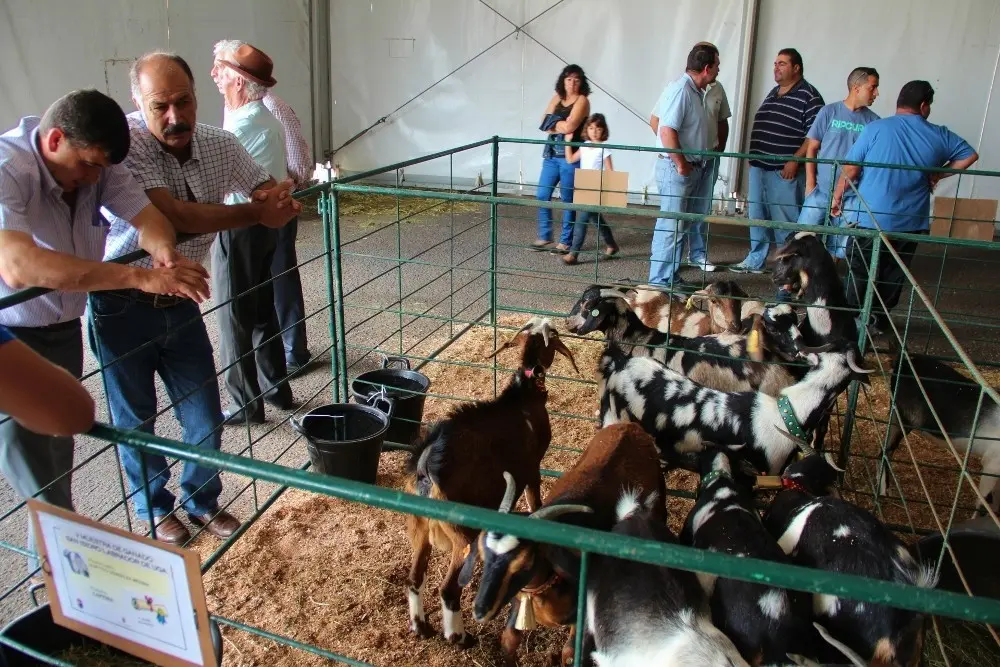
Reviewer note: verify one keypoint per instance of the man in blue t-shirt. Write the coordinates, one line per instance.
(833, 133)
(898, 199)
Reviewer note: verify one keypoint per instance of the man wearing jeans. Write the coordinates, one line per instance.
(683, 125)
(899, 199)
(836, 128)
(718, 113)
(56, 173)
(779, 132)
(186, 169)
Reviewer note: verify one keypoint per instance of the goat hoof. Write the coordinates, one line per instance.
(421, 628)
(464, 640)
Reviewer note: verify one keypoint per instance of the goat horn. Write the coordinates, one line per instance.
(609, 293)
(829, 459)
(809, 349)
(553, 511)
(422, 462)
(546, 327)
(802, 444)
(848, 652)
(510, 495)
(857, 369)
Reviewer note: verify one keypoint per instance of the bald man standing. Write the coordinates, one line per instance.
(186, 169)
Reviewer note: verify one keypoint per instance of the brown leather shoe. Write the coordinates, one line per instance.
(169, 529)
(222, 524)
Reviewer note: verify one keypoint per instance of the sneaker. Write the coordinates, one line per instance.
(704, 265)
(743, 268)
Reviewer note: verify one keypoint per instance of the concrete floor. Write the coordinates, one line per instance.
(527, 280)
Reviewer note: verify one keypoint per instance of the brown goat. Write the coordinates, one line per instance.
(667, 313)
(539, 579)
(466, 457)
(730, 309)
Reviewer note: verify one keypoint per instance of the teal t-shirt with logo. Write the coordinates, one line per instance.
(836, 128)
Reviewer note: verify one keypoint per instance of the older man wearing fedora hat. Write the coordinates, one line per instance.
(241, 258)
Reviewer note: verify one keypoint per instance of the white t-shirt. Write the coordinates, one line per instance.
(592, 156)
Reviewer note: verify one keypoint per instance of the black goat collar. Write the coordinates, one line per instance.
(712, 476)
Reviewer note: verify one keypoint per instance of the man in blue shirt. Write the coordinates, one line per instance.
(836, 128)
(899, 199)
(683, 126)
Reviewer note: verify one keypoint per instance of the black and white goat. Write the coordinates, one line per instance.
(805, 268)
(954, 399)
(764, 622)
(683, 415)
(822, 531)
(728, 362)
(640, 615)
(540, 580)
(467, 458)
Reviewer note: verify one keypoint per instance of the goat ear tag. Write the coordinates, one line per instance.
(753, 342)
(689, 304)
(768, 482)
(467, 551)
(595, 312)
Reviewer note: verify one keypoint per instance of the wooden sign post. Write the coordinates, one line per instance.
(130, 592)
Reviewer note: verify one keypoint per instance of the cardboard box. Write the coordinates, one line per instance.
(594, 187)
(964, 218)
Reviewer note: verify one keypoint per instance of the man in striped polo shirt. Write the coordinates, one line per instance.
(777, 184)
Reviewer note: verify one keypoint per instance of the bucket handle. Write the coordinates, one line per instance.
(382, 402)
(402, 362)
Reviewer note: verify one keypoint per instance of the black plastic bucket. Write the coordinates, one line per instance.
(345, 439)
(38, 631)
(408, 388)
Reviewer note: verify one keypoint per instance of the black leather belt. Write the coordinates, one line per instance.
(155, 300)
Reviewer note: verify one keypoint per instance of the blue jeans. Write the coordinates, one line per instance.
(771, 198)
(556, 170)
(173, 342)
(584, 220)
(697, 250)
(815, 210)
(677, 195)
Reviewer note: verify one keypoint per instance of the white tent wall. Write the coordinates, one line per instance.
(385, 52)
(954, 45)
(49, 47)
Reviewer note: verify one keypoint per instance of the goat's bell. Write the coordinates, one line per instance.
(525, 614)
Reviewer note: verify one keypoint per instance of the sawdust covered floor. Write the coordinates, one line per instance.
(333, 574)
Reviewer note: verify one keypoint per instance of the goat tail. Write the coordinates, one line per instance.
(629, 502)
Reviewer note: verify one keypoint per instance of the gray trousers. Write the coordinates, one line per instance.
(241, 261)
(288, 301)
(39, 465)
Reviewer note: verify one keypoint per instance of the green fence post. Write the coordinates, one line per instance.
(338, 274)
(866, 309)
(581, 610)
(494, 236)
(323, 204)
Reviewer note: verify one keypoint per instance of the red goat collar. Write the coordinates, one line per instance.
(792, 485)
(544, 586)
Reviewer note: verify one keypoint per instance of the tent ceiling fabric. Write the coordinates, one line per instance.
(385, 52)
(50, 47)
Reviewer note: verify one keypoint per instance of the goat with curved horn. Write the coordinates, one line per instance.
(554, 511)
(857, 369)
(801, 444)
(510, 495)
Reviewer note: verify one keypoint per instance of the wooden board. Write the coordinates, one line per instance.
(964, 218)
(600, 188)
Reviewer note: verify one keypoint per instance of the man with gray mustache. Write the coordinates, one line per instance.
(187, 169)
